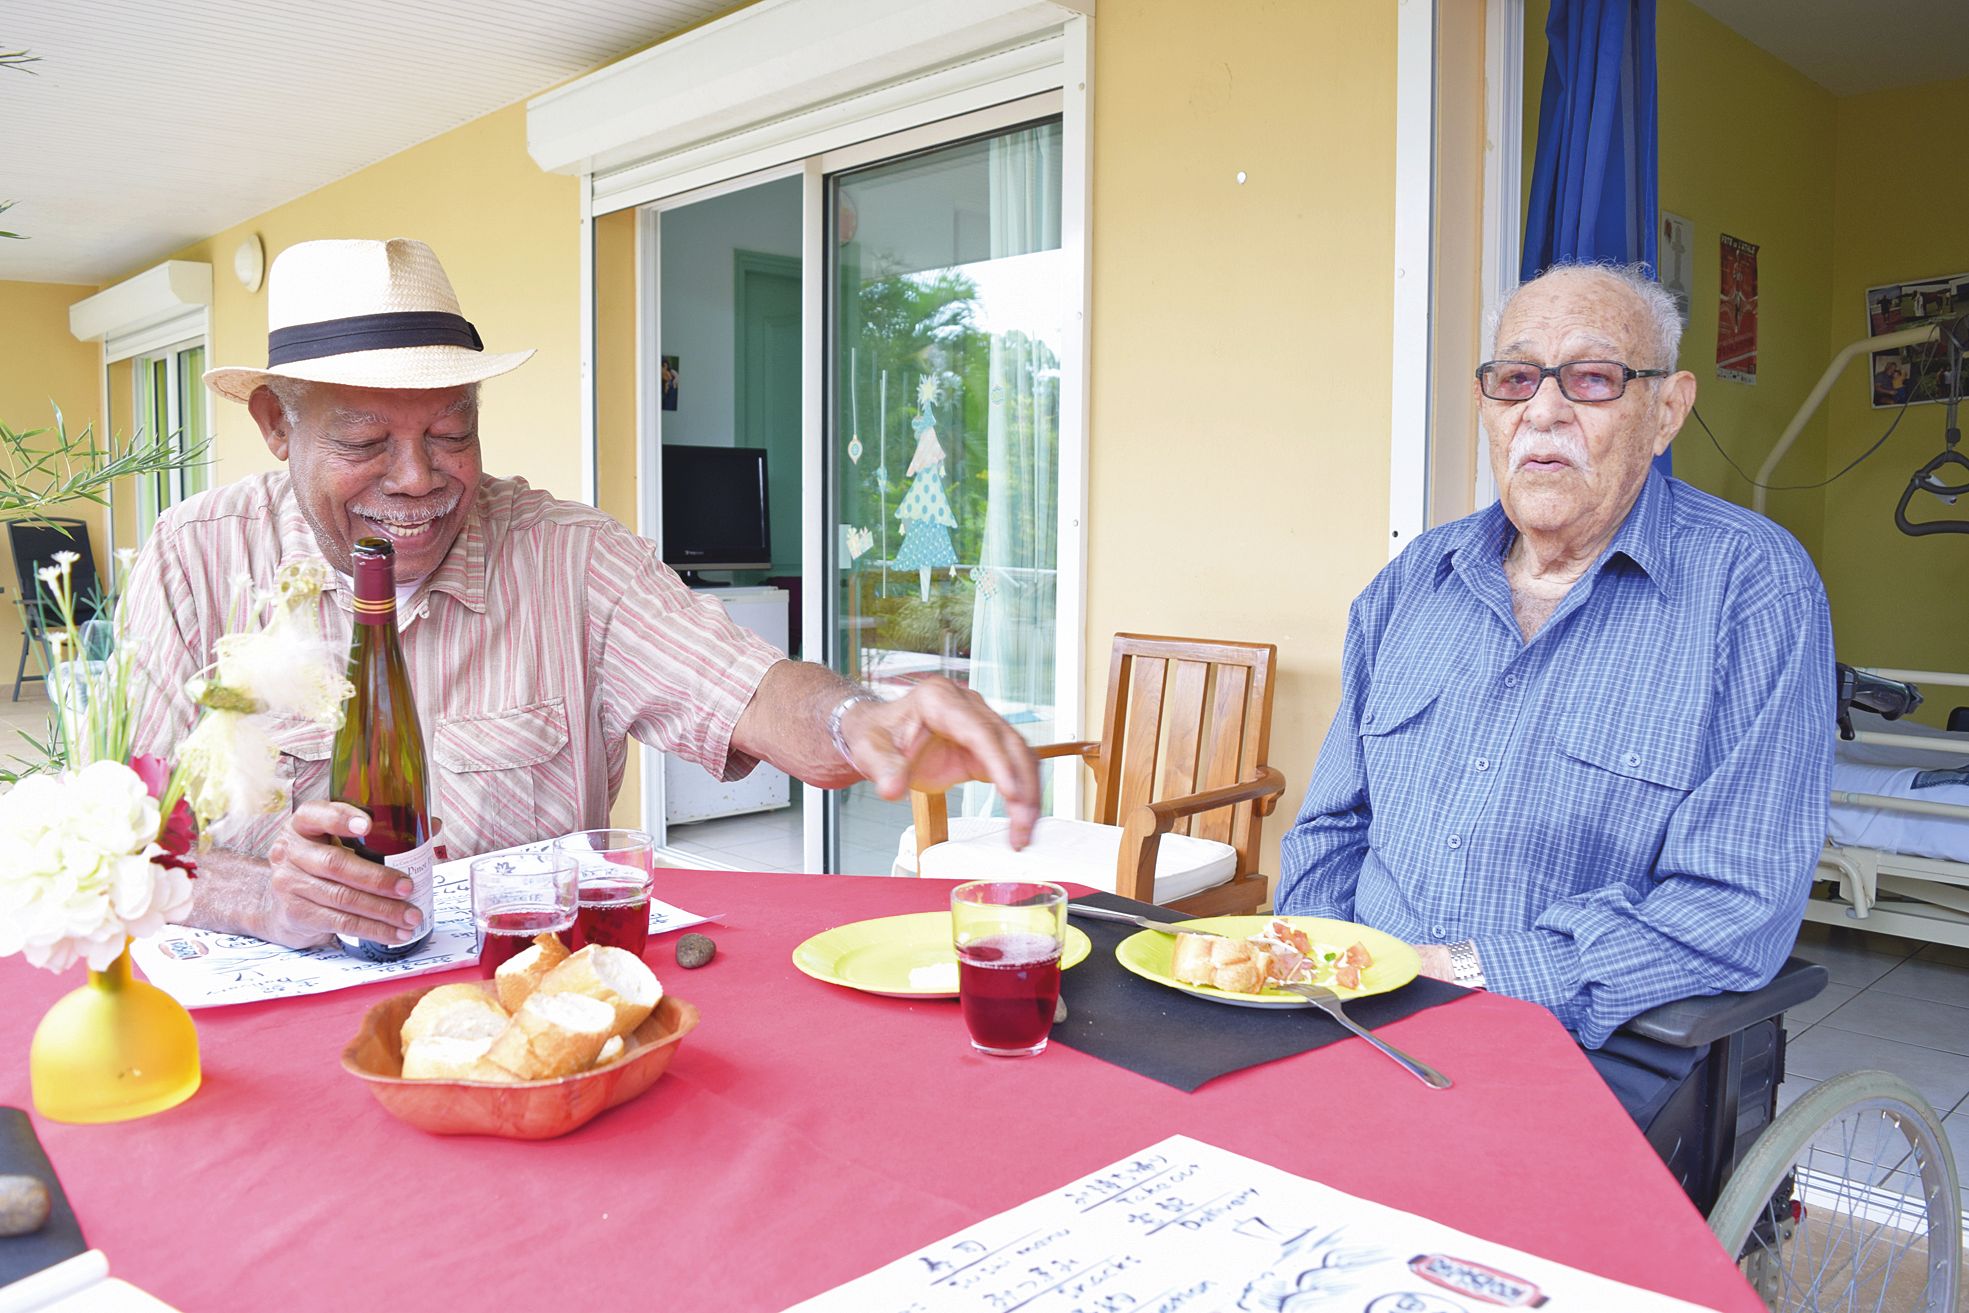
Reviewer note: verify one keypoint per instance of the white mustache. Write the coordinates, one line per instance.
(409, 515)
(1567, 446)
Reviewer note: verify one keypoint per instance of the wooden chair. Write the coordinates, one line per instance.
(1182, 753)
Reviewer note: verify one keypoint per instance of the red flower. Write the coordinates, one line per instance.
(180, 830)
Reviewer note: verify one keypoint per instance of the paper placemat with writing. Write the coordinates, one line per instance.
(1184, 1041)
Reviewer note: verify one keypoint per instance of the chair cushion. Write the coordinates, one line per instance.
(1080, 851)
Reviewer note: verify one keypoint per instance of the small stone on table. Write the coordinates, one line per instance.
(24, 1205)
(695, 950)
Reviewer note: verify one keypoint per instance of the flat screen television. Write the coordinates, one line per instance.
(715, 510)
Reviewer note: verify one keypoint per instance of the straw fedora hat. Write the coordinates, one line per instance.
(365, 314)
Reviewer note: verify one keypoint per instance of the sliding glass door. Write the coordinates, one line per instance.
(949, 298)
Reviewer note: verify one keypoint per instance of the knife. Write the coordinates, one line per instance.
(1129, 918)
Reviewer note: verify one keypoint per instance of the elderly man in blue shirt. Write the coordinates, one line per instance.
(1584, 737)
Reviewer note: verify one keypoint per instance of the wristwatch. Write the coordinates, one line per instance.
(1464, 966)
(835, 717)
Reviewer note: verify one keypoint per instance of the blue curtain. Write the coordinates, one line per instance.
(1594, 193)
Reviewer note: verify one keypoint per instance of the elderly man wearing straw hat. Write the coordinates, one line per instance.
(540, 634)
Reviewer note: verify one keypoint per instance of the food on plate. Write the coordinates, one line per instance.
(520, 974)
(574, 1011)
(1241, 966)
(553, 1035)
(1281, 953)
(614, 976)
(454, 1012)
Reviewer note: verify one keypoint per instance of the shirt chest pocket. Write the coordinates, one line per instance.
(504, 777)
(1394, 729)
(1618, 783)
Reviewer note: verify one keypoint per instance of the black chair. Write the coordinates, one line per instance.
(35, 543)
(1730, 1098)
(1781, 1190)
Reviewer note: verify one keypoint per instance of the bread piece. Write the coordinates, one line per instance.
(615, 976)
(437, 1057)
(552, 1035)
(610, 1051)
(454, 1012)
(520, 974)
(1236, 965)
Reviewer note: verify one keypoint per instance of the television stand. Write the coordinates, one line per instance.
(693, 579)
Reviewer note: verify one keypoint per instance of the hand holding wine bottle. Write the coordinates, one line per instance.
(317, 889)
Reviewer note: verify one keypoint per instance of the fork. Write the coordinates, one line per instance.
(1329, 1002)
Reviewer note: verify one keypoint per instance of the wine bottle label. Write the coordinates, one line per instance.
(417, 864)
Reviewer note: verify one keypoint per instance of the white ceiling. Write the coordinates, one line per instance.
(146, 126)
(1853, 46)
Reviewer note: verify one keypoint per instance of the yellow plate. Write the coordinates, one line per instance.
(1148, 955)
(900, 956)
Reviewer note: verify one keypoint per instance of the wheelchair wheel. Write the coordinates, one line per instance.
(1848, 1202)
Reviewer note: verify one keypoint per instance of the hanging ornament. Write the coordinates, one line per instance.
(882, 477)
(925, 515)
(855, 449)
(859, 540)
(926, 393)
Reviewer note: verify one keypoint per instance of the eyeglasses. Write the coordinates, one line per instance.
(1580, 380)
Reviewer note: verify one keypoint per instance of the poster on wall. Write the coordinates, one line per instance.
(1675, 256)
(1913, 375)
(669, 382)
(1736, 312)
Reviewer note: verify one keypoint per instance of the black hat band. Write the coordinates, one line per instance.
(335, 337)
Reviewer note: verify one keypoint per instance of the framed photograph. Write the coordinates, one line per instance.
(669, 382)
(1913, 375)
(1675, 255)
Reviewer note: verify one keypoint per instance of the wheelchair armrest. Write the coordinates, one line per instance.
(1692, 1022)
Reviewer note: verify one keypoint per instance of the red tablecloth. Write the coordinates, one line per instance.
(806, 1134)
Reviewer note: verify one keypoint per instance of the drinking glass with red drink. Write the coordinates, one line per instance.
(617, 868)
(516, 896)
(1008, 935)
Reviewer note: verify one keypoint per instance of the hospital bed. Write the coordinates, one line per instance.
(1897, 854)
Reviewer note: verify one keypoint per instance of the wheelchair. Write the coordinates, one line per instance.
(1845, 1200)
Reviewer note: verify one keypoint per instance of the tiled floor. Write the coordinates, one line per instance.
(772, 841)
(28, 716)
(1894, 1004)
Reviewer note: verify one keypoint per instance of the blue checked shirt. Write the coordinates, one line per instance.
(1625, 810)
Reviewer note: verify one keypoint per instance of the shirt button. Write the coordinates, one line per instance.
(1632, 759)
(1510, 681)
(1440, 932)
(1455, 841)
(1482, 763)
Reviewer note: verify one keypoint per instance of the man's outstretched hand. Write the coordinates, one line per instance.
(937, 735)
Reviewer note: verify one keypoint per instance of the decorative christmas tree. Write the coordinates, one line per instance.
(925, 511)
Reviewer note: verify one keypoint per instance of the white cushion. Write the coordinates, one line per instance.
(1080, 851)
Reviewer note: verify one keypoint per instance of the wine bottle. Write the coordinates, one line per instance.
(378, 762)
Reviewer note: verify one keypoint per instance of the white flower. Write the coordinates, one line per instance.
(229, 767)
(49, 574)
(76, 875)
(66, 559)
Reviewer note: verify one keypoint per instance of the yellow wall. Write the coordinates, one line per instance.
(615, 414)
(1896, 600)
(1746, 150)
(42, 366)
(1240, 374)
(508, 235)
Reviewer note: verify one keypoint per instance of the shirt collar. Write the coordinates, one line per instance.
(1643, 537)
(461, 574)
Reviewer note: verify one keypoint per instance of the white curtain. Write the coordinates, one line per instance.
(1015, 612)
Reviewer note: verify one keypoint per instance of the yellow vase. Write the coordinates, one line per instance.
(116, 1049)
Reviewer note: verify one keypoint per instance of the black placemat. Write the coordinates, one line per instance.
(1183, 1040)
(61, 1238)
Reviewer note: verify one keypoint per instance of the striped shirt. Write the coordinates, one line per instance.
(1623, 811)
(547, 636)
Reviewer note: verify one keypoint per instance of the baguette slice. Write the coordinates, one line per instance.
(552, 1035)
(520, 974)
(454, 1012)
(614, 976)
(439, 1057)
(1236, 965)
(610, 1051)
